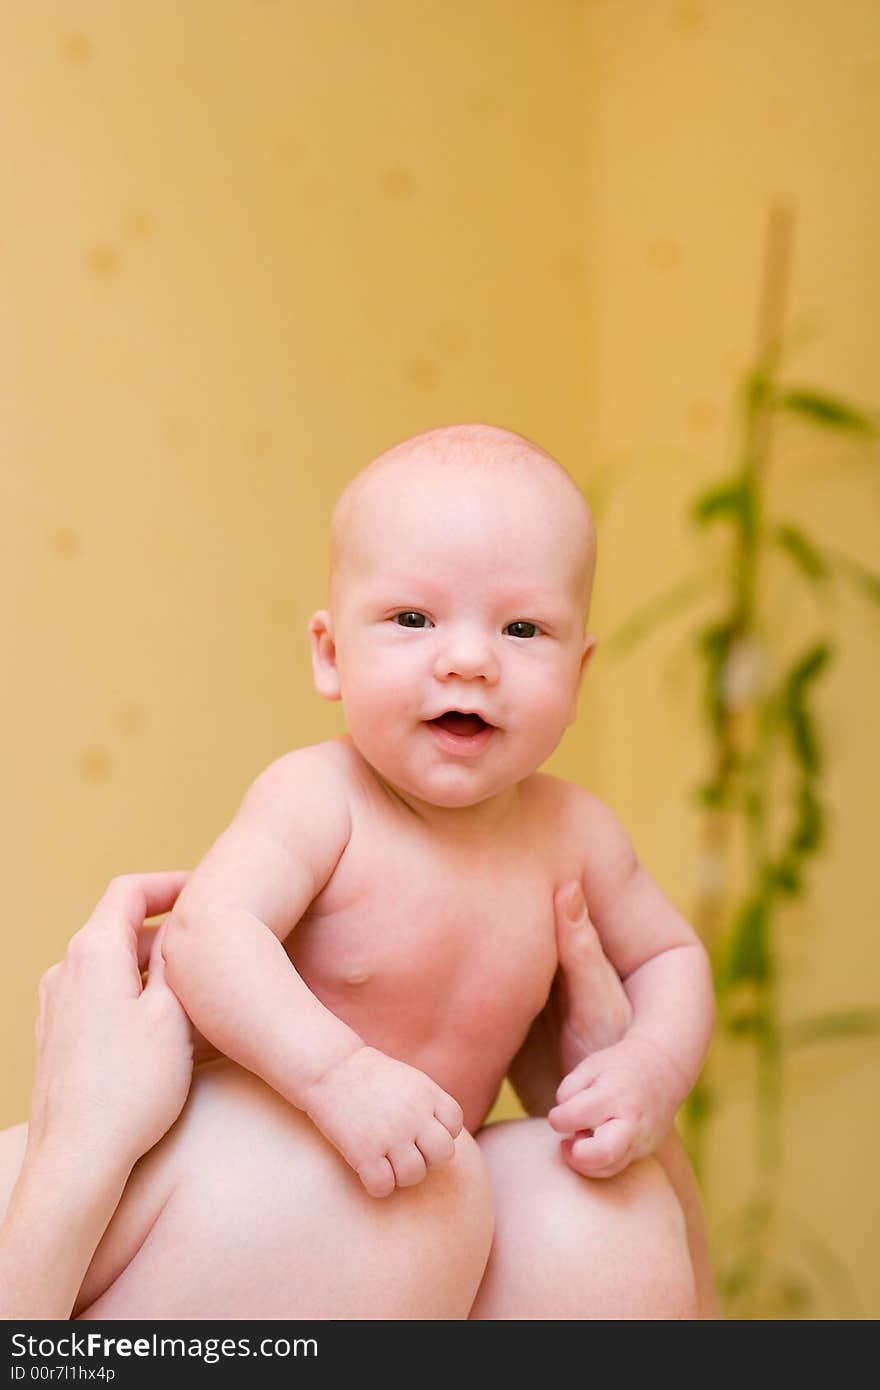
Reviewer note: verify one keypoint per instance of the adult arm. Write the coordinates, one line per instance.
(112, 1071)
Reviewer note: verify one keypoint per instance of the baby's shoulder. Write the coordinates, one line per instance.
(309, 776)
(577, 815)
(556, 796)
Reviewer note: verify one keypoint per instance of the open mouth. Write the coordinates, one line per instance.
(465, 725)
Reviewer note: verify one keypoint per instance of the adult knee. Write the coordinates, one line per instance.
(631, 1229)
(573, 1247)
(419, 1252)
(259, 1216)
(651, 1244)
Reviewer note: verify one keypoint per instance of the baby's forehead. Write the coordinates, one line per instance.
(405, 481)
(515, 510)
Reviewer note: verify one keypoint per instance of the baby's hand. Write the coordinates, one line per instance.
(625, 1098)
(390, 1122)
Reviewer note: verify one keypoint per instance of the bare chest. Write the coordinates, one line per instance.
(409, 942)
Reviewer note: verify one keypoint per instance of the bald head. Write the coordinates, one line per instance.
(459, 454)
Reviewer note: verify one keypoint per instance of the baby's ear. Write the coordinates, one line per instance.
(589, 648)
(324, 670)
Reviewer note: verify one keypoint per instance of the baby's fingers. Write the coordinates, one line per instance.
(449, 1113)
(408, 1164)
(377, 1176)
(601, 1154)
(584, 1073)
(436, 1144)
(587, 1110)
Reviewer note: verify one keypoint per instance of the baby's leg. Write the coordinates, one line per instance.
(571, 1247)
(244, 1211)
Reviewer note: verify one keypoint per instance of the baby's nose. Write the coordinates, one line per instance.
(466, 653)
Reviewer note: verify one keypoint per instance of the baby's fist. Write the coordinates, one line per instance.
(617, 1105)
(390, 1122)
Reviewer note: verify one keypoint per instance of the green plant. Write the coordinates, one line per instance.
(763, 794)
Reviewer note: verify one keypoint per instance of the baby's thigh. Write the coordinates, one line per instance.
(245, 1211)
(572, 1247)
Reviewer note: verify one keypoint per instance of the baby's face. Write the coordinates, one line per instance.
(457, 592)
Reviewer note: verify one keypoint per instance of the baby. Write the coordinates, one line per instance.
(373, 934)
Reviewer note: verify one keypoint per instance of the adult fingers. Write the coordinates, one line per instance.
(146, 935)
(156, 961)
(157, 983)
(131, 898)
(47, 980)
(571, 917)
(118, 917)
(45, 990)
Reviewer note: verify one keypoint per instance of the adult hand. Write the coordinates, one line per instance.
(587, 1009)
(113, 1068)
(113, 1055)
(590, 1006)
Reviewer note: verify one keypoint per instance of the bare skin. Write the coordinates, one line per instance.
(564, 1246)
(373, 936)
(339, 940)
(587, 1011)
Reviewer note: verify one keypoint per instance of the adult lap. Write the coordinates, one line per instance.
(570, 1247)
(245, 1211)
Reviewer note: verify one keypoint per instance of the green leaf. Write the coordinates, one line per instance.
(811, 663)
(785, 876)
(833, 1027)
(733, 499)
(700, 1103)
(828, 411)
(748, 952)
(658, 610)
(803, 739)
(864, 579)
(714, 645)
(710, 794)
(753, 805)
(756, 388)
(793, 709)
(802, 551)
(750, 1024)
(809, 826)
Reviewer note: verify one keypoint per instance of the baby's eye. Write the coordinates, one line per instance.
(410, 618)
(532, 629)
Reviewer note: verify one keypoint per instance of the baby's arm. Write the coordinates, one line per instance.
(226, 964)
(628, 1094)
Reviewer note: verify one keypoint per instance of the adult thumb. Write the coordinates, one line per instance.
(156, 967)
(572, 921)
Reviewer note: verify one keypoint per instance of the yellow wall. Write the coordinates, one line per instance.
(244, 246)
(699, 115)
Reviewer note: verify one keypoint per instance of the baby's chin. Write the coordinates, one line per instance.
(450, 788)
